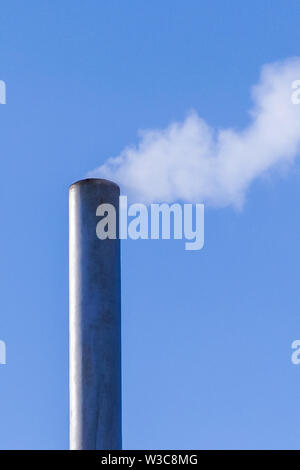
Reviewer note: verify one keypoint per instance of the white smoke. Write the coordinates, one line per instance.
(192, 162)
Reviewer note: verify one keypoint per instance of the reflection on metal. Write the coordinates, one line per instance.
(95, 324)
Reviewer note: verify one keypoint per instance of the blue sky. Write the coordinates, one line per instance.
(206, 335)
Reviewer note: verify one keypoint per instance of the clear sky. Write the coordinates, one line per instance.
(206, 335)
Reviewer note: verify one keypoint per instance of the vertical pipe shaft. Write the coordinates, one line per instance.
(95, 324)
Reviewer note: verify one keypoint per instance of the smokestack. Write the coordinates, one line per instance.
(95, 321)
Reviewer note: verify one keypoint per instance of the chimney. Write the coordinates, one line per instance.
(95, 320)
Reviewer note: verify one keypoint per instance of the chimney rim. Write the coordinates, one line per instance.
(102, 181)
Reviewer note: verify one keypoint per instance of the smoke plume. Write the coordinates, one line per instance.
(192, 162)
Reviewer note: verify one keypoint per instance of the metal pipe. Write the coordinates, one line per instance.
(95, 320)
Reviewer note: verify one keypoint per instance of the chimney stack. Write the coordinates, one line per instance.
(95, 320)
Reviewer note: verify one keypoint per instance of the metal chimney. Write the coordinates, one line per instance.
(95, 320)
